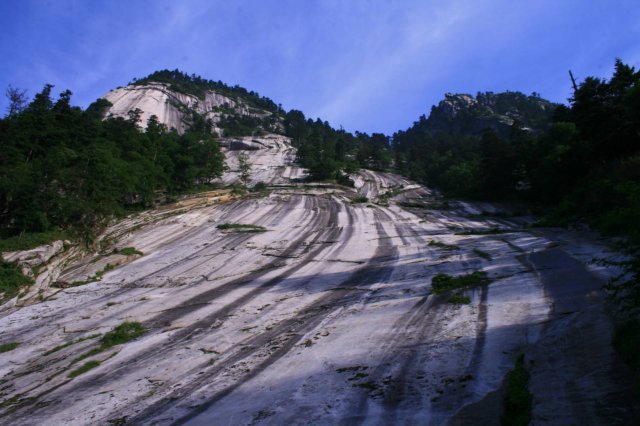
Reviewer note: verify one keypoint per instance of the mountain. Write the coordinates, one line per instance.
(311, 302)
(468, 115)
(178, 100)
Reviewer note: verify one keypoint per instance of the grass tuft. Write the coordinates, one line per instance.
(482, 254)
(123, 333)
(6, 347)
(359, 199)
(84, 368)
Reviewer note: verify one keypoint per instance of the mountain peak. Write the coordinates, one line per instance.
(466, 114)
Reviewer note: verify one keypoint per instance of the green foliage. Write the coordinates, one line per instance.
(123, 333)
(238, 189)
(6, 347)
(11, 279)
(459, 299)
(129, 251)
(84, 368)
(518, 400)
(245, 168)
(359, 199)
(65, 168)
(260, 187)
(482, 254)
(240, 125)
(28, 241)
(242, 227)
(195, 85)
(442, 283)
(327, 152)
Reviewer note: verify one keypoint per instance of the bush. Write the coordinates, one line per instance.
(123, 333)
(11, 279)
(359, 199)
(129, 251)
(442, 283)
(459, 299)
(260, 187)
(238, 190)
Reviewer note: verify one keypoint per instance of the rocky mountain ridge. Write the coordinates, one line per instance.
(174, 97)
(466, 114)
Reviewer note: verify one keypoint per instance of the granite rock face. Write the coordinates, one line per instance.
(175, 109)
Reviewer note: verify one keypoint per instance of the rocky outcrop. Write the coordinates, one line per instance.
(172, 108)
(465, 114)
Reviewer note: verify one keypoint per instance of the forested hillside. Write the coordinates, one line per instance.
(62, 167)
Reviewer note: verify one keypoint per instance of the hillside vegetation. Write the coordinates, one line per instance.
(62, 167)
(585, 167)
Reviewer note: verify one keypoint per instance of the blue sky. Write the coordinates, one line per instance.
(372, 66)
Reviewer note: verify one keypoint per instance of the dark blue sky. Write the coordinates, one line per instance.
(366, 65)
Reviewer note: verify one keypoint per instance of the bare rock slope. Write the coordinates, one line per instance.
(326, 317)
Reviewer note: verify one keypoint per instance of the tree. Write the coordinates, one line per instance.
(245, 168)
(17, 101)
